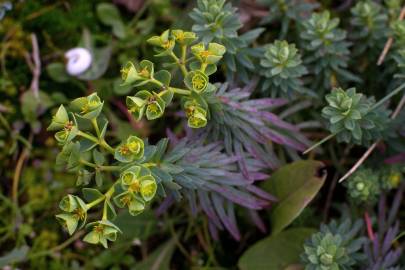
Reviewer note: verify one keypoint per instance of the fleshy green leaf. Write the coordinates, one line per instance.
(276, 251)
(294, 185)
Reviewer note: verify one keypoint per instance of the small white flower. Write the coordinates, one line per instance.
(78, 61)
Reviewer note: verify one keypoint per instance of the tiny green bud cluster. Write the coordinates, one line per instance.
(364, 186)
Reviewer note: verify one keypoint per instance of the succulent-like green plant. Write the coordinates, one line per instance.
(336, 246)
(282, 69)
(142, 171)
(364, 186)
(327, 51)
(352, 117)
(370, 25)
(217, 21)
(287, 11)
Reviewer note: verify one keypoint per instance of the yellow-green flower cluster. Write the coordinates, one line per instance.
(139, 188)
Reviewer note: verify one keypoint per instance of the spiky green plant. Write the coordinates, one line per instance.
(370, 24)
(327, 51)
(287, 11)
(336, 246)
(353, 117)
(282, 70)
(217, 21)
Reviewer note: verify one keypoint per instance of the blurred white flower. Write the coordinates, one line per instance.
(78, 61)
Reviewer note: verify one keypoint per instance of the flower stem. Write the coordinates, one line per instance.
(179, 63)
(88, 136)
(96, 128)
(100, 167)
(327, 138)
(180, 91)
(106, 196)
(100, 142)
(106, 146)
(95, 202)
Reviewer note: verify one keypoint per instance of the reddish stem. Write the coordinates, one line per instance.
(369, 226)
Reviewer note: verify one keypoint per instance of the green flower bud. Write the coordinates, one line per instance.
(76, 215)
(129, 176)
(148, 187)
(196, 81)
(197, 116)
(87, 107)
(136, 206)
(211, 55)
(155, 108)
(67, 134)
(136, 106)
(128, 199)
(136, 146)
(59, 120)
(68, 203)
(183, 37)
(130, 75)
(132, 149)
(101, 232)
(164, 43)
(68, 222)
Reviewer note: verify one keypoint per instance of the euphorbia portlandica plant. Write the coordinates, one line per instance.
(155, 91)
(141, 171)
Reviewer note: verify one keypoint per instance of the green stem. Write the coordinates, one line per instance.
(327, 138)
(95, 202)
(180, 91)
(153, 80)
(203, 67)
(100, 142)
(387, 97)
(88, 136)
(106, 146)
(100, 167)
(149, 164)
(106, 196)
(95, 125)
(179, 63)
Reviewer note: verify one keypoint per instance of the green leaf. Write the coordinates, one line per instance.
(109, 15)
(164, 77)
(98, 158)
(99, 178)
(14, 256)
(295, 185)
(57, 72)
(159, 259)
(91, 194)
(277, 251)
